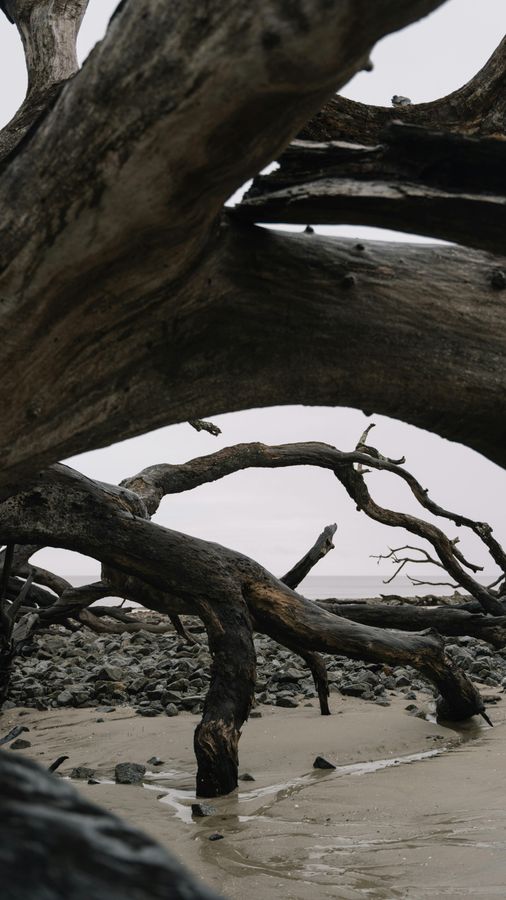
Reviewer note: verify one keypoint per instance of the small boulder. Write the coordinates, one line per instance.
(20, 744)
(82, 772)
(199, 810)
(322, 763)
(129, 773)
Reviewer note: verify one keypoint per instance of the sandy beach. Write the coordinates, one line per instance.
(413, 810)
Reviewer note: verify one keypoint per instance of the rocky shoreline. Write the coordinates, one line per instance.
(161, 674)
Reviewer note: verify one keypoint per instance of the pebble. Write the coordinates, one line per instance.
(322, 763)
(20, 744)
(159, 674)
(199, 810)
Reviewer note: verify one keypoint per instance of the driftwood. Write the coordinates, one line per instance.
(231, 594)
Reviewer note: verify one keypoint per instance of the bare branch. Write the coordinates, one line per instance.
(320, 548)
(49, 30)
(201, 425)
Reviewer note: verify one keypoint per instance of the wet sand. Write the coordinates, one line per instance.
(414, 809)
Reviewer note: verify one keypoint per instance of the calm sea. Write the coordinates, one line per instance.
(345, 587)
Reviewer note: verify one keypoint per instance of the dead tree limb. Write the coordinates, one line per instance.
(446, 620)
(415, 180)
(292, 579)
(225, 589)
(320, 548)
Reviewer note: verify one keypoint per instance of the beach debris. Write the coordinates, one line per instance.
(13, 733)
(199, 810)
(20, 744)
(129, 773)
(399, 100)
(155, 761)
(322, 763)
(82, 772)
(57, 763)
(216, 836)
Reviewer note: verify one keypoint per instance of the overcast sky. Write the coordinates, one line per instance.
(274, 516)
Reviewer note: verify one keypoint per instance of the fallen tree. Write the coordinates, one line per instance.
(129, 300)
(233, 595)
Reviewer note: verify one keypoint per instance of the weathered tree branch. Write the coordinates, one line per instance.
(416, 180)
(305, 320)
(320, 548)
(49, 30)
(477, 108)
(446, 620)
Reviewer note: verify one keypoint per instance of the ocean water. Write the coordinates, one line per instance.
(343, 587)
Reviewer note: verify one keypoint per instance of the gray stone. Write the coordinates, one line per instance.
(199, 810)
(322, 763)
(355, 689)
(82, 772)
(171, 710)
(287, 702)
(129, 773)
(20, 744)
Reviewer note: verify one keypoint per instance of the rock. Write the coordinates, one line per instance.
(215, 836)
(64, 698)
(355, 689)
(171, 710)
(93, 781)
(322, 763)
(149, 711)
(20, 744)
(155, 761)
(110, 673)
(129, 773)
(82, 772)
(199, 810)
(255, 714)
(246, 777)
(287, 702)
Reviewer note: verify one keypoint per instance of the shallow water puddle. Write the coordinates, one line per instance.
(236, 806)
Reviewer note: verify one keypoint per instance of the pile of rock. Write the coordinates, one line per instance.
(162, 675)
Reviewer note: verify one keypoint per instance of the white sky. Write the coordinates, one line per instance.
(274, 516)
